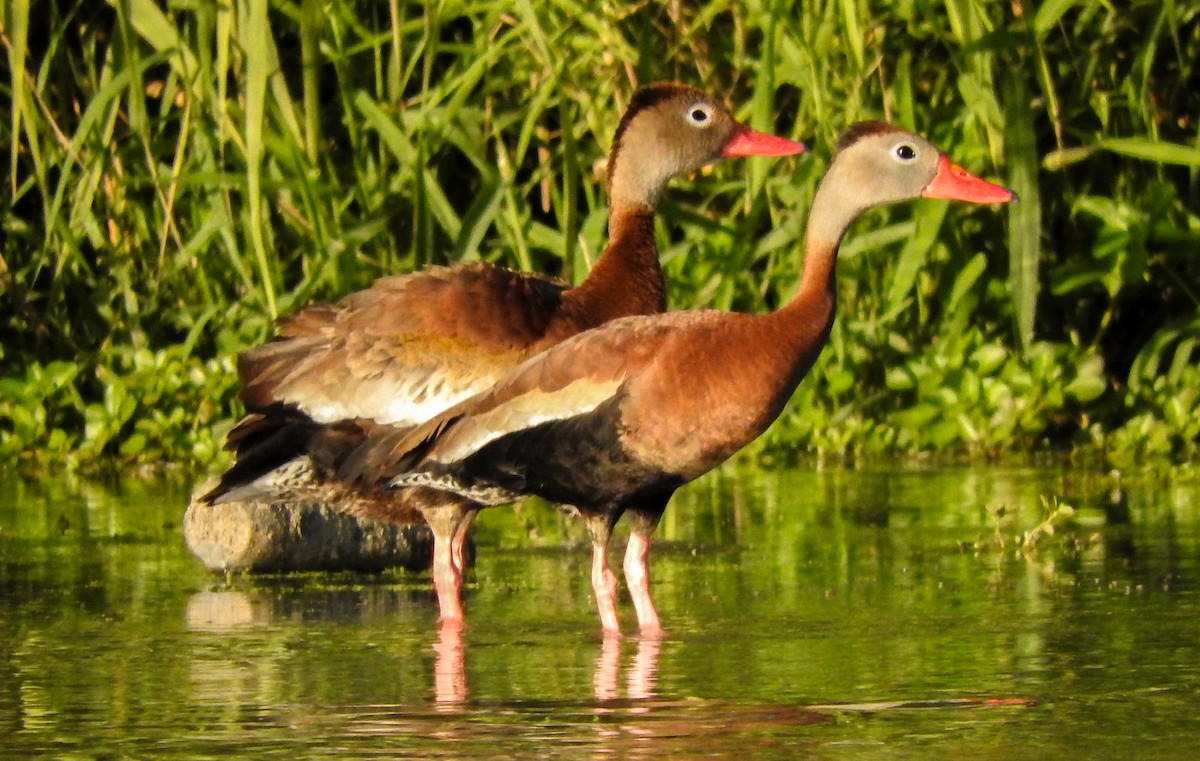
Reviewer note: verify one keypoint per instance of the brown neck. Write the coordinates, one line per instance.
(628, 278)
(803, 324)
(835, 207)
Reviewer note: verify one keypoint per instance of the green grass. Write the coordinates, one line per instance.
(179, 174)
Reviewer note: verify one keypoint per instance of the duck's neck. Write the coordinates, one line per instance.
(803, 324)
(834, 209)
(628, 278)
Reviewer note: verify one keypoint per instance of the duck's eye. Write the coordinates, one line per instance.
(905, 152)
(699, 115)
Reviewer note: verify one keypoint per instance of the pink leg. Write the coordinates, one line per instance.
(637, 578)
(447, 582)
(447, 578)
(457, 556)
(604, 583)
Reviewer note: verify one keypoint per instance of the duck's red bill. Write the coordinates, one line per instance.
(751, 142)
(956, 183)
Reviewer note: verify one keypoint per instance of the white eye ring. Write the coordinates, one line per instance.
(699, 115)
(905, 153)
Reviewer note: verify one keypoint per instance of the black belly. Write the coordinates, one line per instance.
(578, 461)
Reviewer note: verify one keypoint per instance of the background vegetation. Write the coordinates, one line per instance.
(180, 173)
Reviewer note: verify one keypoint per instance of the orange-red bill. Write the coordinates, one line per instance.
(751, 142)
(954, 182)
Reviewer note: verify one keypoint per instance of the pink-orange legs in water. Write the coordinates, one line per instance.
(637, 578)
(449, 561)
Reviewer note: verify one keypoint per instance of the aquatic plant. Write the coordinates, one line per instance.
(179, 174)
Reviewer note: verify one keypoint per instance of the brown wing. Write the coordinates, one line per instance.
(567, 380)
(404, 349)
(691, 388)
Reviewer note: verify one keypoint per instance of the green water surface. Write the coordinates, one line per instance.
(834, 614)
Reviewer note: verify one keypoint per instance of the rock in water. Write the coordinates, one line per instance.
(272, 538)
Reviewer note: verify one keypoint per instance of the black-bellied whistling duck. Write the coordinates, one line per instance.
(614, 420)
(408, 347)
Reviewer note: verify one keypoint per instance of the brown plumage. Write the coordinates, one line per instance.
(408, 347)
(614, 420)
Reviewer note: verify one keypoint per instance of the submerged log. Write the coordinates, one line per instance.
(272, 538)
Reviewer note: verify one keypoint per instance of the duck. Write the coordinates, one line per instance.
(614, 420)
(398, 353)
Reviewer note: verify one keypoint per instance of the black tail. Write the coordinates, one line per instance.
(279, 434)
(262, 442)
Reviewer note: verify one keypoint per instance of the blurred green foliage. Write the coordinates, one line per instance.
(181, 173)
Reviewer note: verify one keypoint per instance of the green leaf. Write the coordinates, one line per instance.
(899, 379)
(988, 358)
(254, 42)
(928, 219)
(1025, 216)
(18, 20)
(1048, 15)
(963, 282)
(1085, 388)
(1153, 150)
(162, 34)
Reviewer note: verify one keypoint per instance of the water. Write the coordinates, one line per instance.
(878, 614)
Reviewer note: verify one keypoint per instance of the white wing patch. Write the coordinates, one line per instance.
(525, 411)
(389, 402)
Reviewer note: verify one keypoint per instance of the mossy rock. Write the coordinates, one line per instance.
(260, 537)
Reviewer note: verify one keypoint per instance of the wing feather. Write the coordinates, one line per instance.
(404, 349)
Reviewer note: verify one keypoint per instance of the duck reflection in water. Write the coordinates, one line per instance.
(643, 672)
(272, 652)
(450, 688)
(235, 613)
(449, 669)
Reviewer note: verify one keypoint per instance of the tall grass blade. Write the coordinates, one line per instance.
(929, 218)
(189, 169)
(149, 21)
(312, 20)
(130, 52)
(394, 138)
(395, 55)
(568, 195)
(254, 45)
(1048, 14)
(1025, 217)
(851, 30)
(225, 32)
(102, 106)
(281, 97)
(534, 108)
(18, 32)
(1157, 151)
(477, 220)
(763, 105)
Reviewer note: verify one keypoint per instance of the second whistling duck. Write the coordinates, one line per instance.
(410, 346)
(614, 420)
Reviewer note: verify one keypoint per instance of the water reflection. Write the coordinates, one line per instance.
(449, 669)
(643, 672)
(216, 610)
(222, 610)
(227, 611)
(782, 593)
(624, 717)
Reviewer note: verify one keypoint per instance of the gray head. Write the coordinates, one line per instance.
(886, 164)
(672, 129)
(879, 164)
